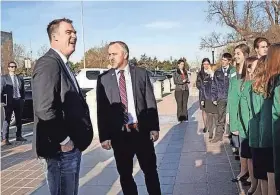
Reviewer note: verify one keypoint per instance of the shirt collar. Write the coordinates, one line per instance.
(126, 70)
(63, 57)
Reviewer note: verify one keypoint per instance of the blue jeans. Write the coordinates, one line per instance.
(63, 173)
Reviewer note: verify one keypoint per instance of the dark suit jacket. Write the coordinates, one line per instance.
(109, 110)
(7, 88)
(59, 109)
(220, 85)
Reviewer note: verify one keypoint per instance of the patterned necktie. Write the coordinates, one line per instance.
(15, 87)
(123, 94)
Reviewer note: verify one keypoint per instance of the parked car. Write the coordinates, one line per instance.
(27, 113)
(87, 78)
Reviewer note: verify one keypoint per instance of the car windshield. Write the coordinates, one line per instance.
(27, 84)
(92, 74)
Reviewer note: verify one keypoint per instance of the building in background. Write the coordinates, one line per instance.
(6, 50)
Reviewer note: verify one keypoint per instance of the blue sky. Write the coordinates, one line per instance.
(161, 29)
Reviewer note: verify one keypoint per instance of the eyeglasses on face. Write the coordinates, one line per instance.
(12, 66)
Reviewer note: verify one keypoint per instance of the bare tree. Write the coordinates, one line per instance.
(247, 20)
(97, 57)
(42, 50)
(19, 54)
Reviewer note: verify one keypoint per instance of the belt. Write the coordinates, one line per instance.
(129, 127)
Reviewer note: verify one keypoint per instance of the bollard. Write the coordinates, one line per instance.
(91, 101)
(166, 84)
(172, 83)
(157, 90)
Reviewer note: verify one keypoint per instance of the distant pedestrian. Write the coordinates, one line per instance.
(181, 80)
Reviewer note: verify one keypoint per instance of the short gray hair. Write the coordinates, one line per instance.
(123, 45)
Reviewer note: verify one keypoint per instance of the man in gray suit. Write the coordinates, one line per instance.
(128, 119)
(62, 128)
(12, 94)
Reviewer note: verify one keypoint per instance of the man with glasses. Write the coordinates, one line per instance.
(13, 94)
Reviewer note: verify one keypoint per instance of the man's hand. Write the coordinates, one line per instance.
(67, 147)
(185, 80)
(215, 103)
(106, 145)
(202, 103)
(227, 118)
(154, 135)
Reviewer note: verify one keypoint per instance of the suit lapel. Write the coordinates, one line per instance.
(133, 81)
(67, 73)
(114, 85)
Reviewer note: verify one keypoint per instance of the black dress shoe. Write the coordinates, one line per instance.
(6, 142)
(204, 130)
(243, 178)
(21, 139)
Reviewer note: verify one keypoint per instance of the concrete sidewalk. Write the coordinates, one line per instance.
(187, 163)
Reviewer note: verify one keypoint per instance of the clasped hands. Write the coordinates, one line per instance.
(107, 143)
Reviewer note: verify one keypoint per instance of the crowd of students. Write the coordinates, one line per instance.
(243, 96)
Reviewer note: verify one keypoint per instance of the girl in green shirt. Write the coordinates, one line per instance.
(243, 118)
(272, 91)
(261, 139)
(240, 53)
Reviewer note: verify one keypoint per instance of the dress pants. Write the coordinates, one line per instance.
(125, 146)
(211, 123)
(182, 104)
(17, 107)
(222, 105)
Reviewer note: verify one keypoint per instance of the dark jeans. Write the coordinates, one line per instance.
(63, 173)
(17, 107)
(182, 104)
(211, 123)
(222, 105)
(125, 146)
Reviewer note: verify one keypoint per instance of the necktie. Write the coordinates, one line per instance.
(15, 87)
(123, 94)
(72, 76)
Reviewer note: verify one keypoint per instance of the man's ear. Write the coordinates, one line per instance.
(54, 37)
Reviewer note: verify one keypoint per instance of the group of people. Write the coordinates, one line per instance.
(127, 115)
(243, 96)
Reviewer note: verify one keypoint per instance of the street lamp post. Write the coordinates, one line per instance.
(83, 38)
(213, 58)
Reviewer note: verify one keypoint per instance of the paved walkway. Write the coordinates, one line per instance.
(187, 163)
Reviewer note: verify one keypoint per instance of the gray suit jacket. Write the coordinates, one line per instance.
(7, 88)
(60, 110)
(109, 109)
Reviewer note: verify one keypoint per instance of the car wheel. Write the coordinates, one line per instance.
(13, 119)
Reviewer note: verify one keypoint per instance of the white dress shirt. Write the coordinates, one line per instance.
(132, 117)
(64, 59)
(14, 85)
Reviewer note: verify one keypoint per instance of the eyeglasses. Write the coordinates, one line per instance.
(12, 66)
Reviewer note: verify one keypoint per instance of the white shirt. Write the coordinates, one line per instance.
(14, 85)
(132, 117)
(64, 59)
(225, 69)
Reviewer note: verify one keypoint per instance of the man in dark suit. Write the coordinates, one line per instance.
(62, 128)
(219, 93)
(12, 95)
(128, 119)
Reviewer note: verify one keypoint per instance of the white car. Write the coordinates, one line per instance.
(87, 78)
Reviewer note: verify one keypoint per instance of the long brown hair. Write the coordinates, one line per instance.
(247, 64)
(259, 75)
(272, 66)
(245, 49)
